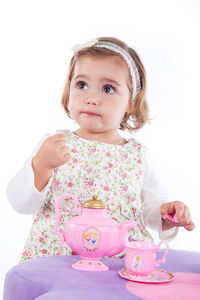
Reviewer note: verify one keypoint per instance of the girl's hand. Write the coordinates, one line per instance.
(180, 212)
(52, 153)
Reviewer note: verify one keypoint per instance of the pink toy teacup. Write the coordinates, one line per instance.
(141, 257)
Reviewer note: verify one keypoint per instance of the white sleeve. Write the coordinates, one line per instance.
(154, 195)
(21, 191)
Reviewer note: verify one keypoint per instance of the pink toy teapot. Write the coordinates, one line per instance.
(92, 234)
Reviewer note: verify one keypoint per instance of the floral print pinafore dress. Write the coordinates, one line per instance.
(114, 173)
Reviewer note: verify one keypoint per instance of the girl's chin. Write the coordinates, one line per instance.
(91, 129)
(91, 125)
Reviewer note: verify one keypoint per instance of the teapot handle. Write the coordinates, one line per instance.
(57, 212)
(164, 255)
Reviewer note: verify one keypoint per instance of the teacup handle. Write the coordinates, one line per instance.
(77, 209)
(164, 256)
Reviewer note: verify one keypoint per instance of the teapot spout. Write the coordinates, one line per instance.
(123, 239)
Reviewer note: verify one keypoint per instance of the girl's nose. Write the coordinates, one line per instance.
(92, 99)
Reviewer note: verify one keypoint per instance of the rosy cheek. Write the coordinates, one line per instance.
(76, 92)
(73, 94)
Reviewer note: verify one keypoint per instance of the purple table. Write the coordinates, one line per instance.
(53, 278)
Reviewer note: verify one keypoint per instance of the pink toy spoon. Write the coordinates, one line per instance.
(169, 217)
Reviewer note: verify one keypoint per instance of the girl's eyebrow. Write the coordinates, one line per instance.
(82, 76)
(111, 80)
(102, 79)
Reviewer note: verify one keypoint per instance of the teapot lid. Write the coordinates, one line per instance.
(94, 203)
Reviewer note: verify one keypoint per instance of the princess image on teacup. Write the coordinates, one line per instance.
(137, 262)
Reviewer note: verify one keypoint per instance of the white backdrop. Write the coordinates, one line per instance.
(36, 37)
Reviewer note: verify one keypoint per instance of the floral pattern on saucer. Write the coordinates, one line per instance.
(157, 276)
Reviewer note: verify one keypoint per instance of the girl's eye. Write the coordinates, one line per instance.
(108, 89)
(81, 85)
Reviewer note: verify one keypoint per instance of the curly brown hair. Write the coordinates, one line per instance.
(139, 114)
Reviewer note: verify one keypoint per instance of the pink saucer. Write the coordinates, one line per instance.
(157, 276)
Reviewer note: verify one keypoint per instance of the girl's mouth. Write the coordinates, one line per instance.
(91, 113)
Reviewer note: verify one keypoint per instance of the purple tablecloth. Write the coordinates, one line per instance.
(53, 278)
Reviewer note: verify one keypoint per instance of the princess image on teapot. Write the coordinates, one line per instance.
(91, 239)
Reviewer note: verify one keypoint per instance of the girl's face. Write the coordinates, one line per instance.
(99, 94)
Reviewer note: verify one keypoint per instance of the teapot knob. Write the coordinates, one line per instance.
(94, 203)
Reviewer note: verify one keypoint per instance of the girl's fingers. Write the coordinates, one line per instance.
(57, 137)
(60, 140)
(67, 157)
(190, 226)
(165, 209)
(180, 212)
(66, 148)
(187, 216)
(179, 209)
(169, 208)
(60, 145)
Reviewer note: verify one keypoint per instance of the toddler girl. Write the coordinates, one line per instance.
(104, 91)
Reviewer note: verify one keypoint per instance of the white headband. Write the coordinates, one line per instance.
(136, 84)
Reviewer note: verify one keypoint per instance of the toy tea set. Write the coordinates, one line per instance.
(92, 235)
